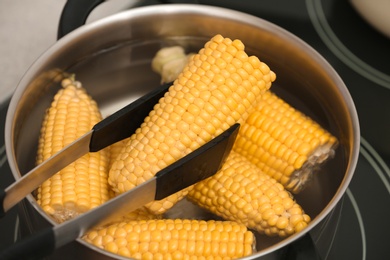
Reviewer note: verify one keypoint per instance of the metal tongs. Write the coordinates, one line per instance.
(196, 166)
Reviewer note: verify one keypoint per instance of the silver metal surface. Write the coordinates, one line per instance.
(109, 211)
(31, 180)
(115, 69)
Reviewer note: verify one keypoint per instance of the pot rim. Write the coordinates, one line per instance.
(216, 12)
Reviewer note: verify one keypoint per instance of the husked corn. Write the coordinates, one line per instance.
(175, 239)
(141, 214)
(83, 184)
(243, 193)
(169, 62)
(138, 214)
(283, 142)
(115, 150)
(217, 88)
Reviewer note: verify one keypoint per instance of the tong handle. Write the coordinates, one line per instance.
(125, 121)
(33, 247)
(74, 14)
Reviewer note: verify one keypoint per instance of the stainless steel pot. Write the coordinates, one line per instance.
(112, 58)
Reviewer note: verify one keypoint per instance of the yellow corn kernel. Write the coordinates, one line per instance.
(198, 106)
(175, 239)
(283, 142)
(138, 214)
(115, 150)
(83, 184)
(241, 192)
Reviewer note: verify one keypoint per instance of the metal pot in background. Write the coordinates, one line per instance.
(112, 58)
(376, 13)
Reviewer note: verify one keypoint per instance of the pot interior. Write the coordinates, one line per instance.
(112, 59)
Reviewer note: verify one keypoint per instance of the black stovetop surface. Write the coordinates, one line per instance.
(361, 56)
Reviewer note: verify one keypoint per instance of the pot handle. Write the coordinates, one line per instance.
(74, 14)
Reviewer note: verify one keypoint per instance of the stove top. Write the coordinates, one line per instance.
(361, 56)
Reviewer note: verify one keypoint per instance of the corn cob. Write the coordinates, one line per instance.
(266, 135)
(283, 142)
(115, 150)
(243, 193)
(175, 239)
(138, 214)
(169, 62)
(83, 184)
(217, 88)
